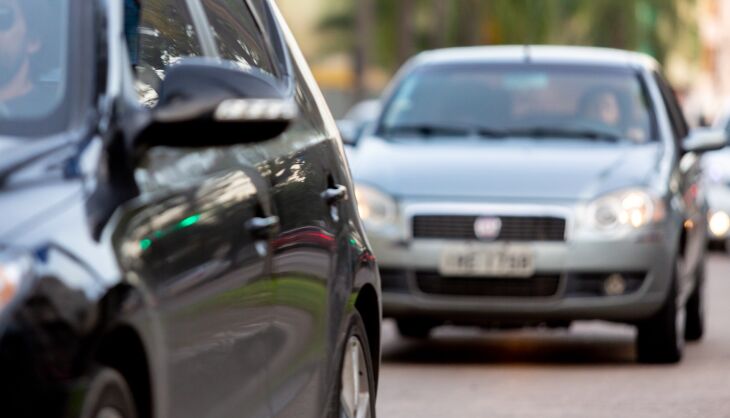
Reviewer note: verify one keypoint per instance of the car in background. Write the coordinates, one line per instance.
(716, 167)
(535, 185)
(179, 237)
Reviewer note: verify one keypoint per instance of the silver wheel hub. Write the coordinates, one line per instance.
(355, 392)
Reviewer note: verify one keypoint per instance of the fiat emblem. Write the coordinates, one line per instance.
(487, 228)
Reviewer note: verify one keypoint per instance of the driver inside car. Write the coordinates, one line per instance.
(603, 107)
(610, 109)
(20, 42)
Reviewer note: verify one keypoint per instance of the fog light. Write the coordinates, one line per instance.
(719, 224)
(614, 285)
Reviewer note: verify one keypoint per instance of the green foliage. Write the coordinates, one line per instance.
(651, 26)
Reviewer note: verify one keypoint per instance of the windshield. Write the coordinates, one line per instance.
(34, 42)
(521, 100)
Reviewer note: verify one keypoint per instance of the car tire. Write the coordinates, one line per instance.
(354, 390)
(108, 396)
(660, 339)
(414, 328)
(695, 325)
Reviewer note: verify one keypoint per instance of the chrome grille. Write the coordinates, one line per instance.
(514, 228)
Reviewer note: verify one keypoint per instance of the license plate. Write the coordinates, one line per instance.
(475, 261)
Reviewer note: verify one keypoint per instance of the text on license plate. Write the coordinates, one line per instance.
(506, 261)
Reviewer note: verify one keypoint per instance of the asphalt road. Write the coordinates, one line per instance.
(588, 371)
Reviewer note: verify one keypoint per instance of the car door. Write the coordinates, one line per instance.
(305, 180)
(309, 198)
(692, 245)
(207, 226)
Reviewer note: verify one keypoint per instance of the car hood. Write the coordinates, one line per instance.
(513, 169)
(32, 185)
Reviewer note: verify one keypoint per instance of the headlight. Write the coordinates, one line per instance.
(623, 211)
(719, 224)
(376, 207)
(14, 267)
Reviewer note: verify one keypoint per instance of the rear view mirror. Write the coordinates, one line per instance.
(348, 131)
(703, 140)
(358, 120)
(208, 103)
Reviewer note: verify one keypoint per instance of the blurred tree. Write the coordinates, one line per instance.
(468, 21)
(405, 11)
(363, 45)
(439, 24)
(401, 27)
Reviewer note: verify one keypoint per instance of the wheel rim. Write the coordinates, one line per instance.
(109, 412)
(355, 392)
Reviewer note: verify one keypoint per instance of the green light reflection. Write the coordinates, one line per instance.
(189, 221)
(185, 223)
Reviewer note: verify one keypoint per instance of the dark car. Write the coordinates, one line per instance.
(178, 235)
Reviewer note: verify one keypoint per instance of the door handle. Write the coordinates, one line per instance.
(335, 194)
(263, 227)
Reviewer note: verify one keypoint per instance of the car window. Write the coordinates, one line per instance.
(166, 34)
(237, 34)
(307, 104)
(512, 98)
(37, 81)
(269, 26)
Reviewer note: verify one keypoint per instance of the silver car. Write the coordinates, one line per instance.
(517, 186)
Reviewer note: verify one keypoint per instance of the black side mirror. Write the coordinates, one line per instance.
(209, 103)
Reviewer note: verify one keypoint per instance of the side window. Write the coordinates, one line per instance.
(166, 34)
(679, 124)
(237, 34)
(307, 104)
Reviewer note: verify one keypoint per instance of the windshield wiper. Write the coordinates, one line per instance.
(428, 130)
(491, 132)
(30, 155)
(449, 130)
(548, 132)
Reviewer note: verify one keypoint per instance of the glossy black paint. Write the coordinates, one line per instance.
(218, 281)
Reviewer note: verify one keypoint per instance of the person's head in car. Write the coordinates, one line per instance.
(20, 41)
(603, 106)
(614, 110)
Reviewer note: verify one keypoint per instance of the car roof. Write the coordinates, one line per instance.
(541, 54)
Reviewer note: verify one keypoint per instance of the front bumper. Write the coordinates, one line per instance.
(43, 372)
(29, 390)
(568, 283)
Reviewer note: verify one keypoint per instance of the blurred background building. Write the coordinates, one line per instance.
(711, 87)
(355, 46)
